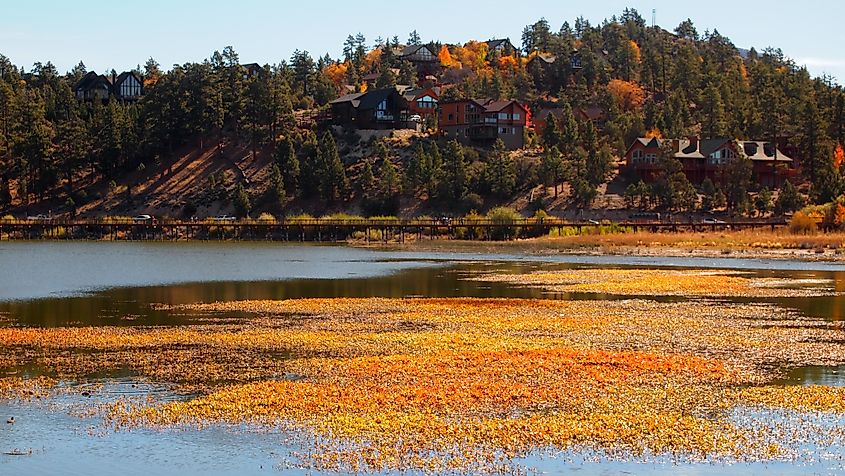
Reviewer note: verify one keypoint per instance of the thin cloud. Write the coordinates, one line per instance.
(822, 62)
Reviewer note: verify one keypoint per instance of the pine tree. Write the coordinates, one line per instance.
(455, 177)
(553, 168)
(500, 171)
(277, 186)
(241, 201)
(288, 162)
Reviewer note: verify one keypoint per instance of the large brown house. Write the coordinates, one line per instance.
(483, 121)
(703, 159)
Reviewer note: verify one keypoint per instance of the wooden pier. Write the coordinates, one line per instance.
(320, 230)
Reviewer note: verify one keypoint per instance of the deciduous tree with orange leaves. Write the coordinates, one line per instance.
(628, 94)
(445, 58)
(336, 72)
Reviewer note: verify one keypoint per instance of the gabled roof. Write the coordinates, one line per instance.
(413, 49)
(371, 99)
(763, 151)
(493, 44)
(353, 98)
(412, 94)
(701, 149)
(547, 58)
(122, 77)
(496, 106)
(92, 80)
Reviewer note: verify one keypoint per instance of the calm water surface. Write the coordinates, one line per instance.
(93, 284)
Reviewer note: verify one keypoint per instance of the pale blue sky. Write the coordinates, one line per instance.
(120, 35)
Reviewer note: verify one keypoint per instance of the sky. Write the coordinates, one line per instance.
(121, 35)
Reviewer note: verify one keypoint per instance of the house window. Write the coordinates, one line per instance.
(516, 116)
(650, 158)
(503, 116)
(426, 102)
(503, 130)
(637, 157)
(451, 117)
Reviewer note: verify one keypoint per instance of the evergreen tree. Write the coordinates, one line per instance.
(553, 168)
(333, 181)
(500, 171)
(788, 199)
(277, 186)
(241, 201)
(455, 178)
(288, 162)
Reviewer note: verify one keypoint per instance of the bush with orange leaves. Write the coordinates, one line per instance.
(628, 95)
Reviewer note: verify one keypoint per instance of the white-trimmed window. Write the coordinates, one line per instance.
(637, 157)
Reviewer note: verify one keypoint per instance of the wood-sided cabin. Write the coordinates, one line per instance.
(501, 47)
(424, 59)
(482, 122)
(128, 87)
(708, 158)
(377, 109)
(93, 87)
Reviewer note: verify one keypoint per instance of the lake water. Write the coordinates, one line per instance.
(93, 284)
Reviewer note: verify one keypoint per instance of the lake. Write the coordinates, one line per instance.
(51, 284)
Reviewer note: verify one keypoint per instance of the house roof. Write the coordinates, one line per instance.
(493, 44)
(371, 99)
(122, 77)
(412, 94)
(592, 113)
(354, 98)
(413, 49)
(763, 151)
(700, 149)
(496, 106)
(92, 80)
(545, 58)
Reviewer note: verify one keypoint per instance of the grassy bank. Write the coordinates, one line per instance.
(746, 243)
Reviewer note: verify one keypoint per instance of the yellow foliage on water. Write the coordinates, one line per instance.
(656, 282)
(377, 384)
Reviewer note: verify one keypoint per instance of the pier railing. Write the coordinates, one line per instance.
(341, 229)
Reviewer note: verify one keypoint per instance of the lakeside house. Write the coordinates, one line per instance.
(424, 59)
(125, 87)
(708, 158)
(421, 101)
(376, 109)
(502, 47)
(481, 122)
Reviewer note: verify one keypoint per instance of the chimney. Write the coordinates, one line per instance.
(694, 142)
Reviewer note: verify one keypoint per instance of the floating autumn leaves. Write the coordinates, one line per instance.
(464, 384)
(655, 282)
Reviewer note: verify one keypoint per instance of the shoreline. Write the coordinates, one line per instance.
(560, 247)
(820, 248)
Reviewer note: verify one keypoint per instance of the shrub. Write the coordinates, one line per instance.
(266, 217)
(802, 224)
(504, 216)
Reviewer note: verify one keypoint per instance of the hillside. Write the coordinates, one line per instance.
(66, 148)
